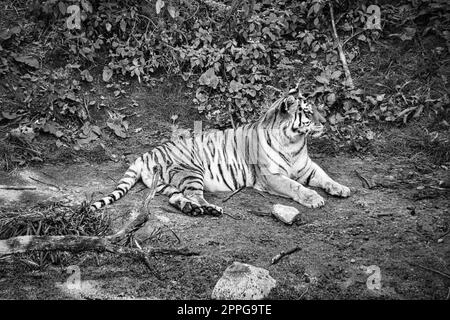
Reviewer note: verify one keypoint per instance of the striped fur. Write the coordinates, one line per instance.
(269, 155)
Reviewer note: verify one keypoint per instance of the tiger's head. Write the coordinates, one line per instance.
(294, 115)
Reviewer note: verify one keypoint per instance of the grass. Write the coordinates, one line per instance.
(50, 220)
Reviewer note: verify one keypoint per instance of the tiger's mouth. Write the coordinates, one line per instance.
(313, 129)
(316, 130)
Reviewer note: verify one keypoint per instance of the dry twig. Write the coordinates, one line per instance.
(279, 256)
(431, 269)
(4, 187)
(46, 183)
(364, 180)
(232, 194)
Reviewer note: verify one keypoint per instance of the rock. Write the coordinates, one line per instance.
(242, 281)
(285, 213)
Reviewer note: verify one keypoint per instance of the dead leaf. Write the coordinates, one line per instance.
(28, 60)
(209, 78)
(235, 86)
(118, 129)
(322, 80)
(10, 116)
(86, 5)
(107, 74)
(159, 6)
(172, 11)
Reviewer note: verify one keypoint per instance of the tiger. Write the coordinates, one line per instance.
(269, 155)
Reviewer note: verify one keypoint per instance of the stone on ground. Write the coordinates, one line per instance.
(284, 213)
(242, 281)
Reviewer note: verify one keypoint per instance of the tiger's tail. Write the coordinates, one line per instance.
(129, 179)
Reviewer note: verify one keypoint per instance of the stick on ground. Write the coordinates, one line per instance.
(432, 270)
(280, 256)
(364, 180)
(231, 195)
(17, 187)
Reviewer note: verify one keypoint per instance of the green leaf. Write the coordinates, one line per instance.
(10, 116)
(62, 8)
(336, 74)
(118, 129)
(201, 96)
(107, 74)
(159, 6)
(331, 98)
(323, 80)
(209, 79)
(235, 86)
(28, 60)
(6, 34)
(86, 75)
(86, 5)
(123, 25)
(172, 11)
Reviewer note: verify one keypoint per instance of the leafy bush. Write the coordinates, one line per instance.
(230, 52)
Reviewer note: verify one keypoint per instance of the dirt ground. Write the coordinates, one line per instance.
(399, 225)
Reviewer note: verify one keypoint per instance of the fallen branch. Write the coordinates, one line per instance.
(232, 194)
(444, 235)
(364, 180)
(232, 217)
(4, 187)
(279, 256)
(259, 213)
(432, 270)
(384, 214)
(340, 50)
(78, 244)
(46, 183)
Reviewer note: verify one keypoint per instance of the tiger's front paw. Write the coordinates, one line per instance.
(338, 190)
(310, 198)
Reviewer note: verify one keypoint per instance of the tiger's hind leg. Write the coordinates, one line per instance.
(208, 208)
(190, 202)
(190, 182)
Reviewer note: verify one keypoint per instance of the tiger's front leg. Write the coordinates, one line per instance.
(284, 186)
(317, 177)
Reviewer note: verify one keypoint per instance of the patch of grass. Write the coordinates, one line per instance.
(51, 220)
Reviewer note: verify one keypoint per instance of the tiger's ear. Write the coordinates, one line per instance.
(289, 105)
(297, 92)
